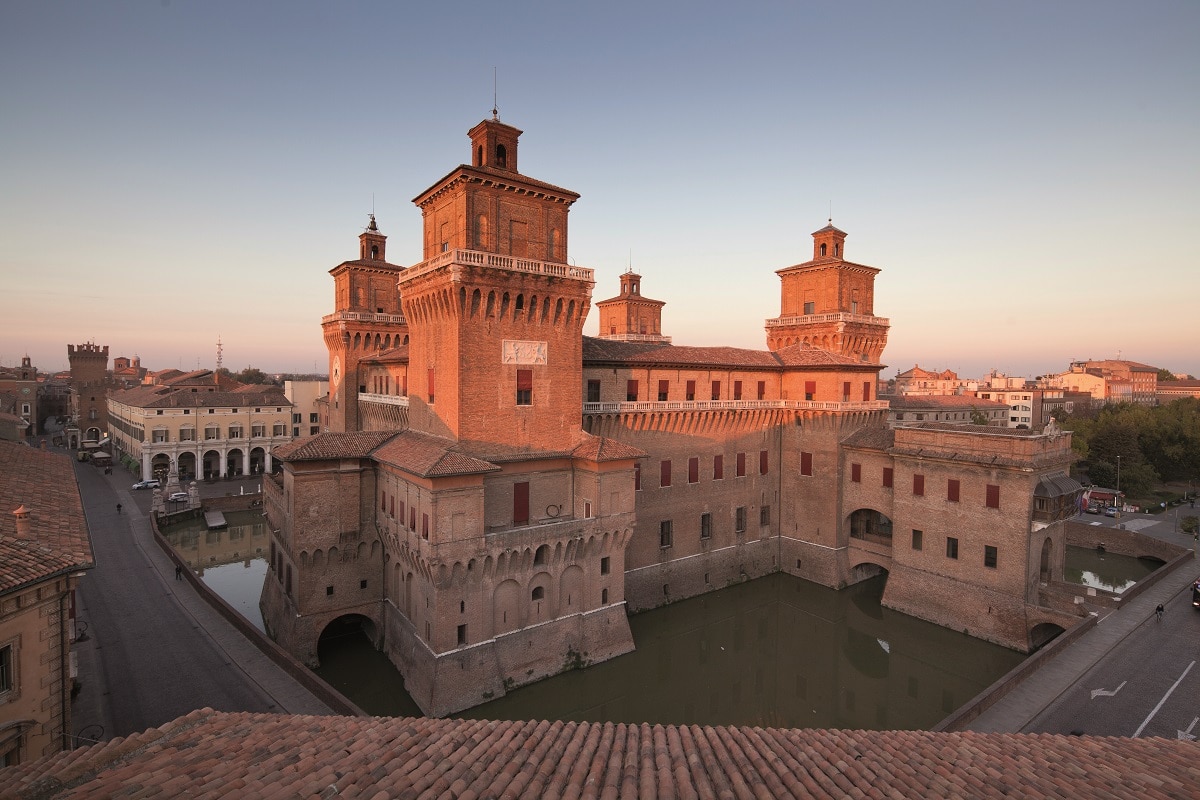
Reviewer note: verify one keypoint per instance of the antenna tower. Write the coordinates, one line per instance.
(220, 350)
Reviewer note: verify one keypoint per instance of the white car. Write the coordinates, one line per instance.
(178, 497)
(149, 483)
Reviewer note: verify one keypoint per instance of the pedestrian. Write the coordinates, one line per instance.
(179, 574)
(1158, 612)
(118, 508)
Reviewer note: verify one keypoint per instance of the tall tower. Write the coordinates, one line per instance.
(366, 319)
(496, 313)
(829, 303)
(631, 316)
(89, 392)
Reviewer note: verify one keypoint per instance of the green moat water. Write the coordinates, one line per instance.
(777, 651)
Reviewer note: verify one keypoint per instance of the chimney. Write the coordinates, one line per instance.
(23, 531)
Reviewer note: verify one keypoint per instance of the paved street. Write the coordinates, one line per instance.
(153, 650)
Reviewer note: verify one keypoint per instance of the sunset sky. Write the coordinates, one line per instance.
(1026, 174)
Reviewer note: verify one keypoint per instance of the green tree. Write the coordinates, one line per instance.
(253, 375)
(978, 417)
(1165, 374)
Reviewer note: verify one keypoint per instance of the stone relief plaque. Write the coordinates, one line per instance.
(519, 352)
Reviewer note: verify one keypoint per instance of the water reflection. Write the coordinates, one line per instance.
(230, 561)
(1108, 571)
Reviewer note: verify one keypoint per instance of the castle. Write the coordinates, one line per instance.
(495, 490)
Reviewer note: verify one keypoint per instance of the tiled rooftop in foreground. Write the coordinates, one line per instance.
(215, 754)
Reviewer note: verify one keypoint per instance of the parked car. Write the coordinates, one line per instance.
(147, 484)
(1093, 508)
(178, 497)
(1196, 595)
(1111, 511)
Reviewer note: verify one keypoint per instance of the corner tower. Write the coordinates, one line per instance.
(631, 316)
(366, 319)
(496, 314)
(829, 303)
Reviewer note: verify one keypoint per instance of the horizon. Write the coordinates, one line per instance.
(1023, 175)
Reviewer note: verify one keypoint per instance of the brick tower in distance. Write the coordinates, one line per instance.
(366, 319)
(89, 393)
(631, 316)
(829, 303)
(496, 313)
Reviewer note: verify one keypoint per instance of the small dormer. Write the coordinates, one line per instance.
(494, 144)
(829, 242)
(372, 245)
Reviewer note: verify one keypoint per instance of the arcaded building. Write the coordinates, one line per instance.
(497, 490)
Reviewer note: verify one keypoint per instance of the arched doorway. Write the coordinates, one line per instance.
(212, 465)
(233, 462)
(1042, 634)
(871, 526)
(160, 466)
(187, 466)
(258, 460)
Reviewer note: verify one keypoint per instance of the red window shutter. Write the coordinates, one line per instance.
(521, 503)
(856, 473)
(664, 388)
(919, 485)
(810, 390)
(431, 385)
(412, 518)
(762, 390)
(664, 473)
(693, 470)
(737, 390)
(952, 490)
(993, 496)
(887, 477)
(691, 390)
(404, 385)
(718, 468)
(401, 515)
(631, 391)
(524, 380)
(763, 463)
(846, 391)
(806, 464)
(424, 526)
(392, 505)
(866, 391)
(716, 390)
(741, 464)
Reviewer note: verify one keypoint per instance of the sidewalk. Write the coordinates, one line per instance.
(1018, 710)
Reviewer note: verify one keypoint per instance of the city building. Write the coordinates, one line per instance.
(308, 403)
(19, 396)
(198, 426)
(1024, 404)
(497, 490)
(1169, 391)
(917, 381)
(44, 550)
(956, 409)
(90, 383)
(1110, 381)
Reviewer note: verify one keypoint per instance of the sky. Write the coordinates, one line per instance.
(1025, 174)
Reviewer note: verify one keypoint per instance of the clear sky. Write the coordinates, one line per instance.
(1024, 173)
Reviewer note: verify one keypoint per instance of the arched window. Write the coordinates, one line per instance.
(539, 557)
(374, 252)
(539, 593)
(501, 156)
(822, 249)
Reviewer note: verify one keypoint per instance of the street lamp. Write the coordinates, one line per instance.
(1117, 499)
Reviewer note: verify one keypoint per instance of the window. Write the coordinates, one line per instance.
(693, 470)
(762, 390)
(631, 391)
(212, 432)
(664, 533)
(691, 390)
(538, 593)
(993, 496)
(160, 435)
(235, 431)
(810, 307)
(741, 465)
(706, 526)
(329, 591)
(718, 468)
(664, 473)
(846, 391)
(764, 515)
(716, 390)
(737, 390)
(952, 490)
(806, 464)
(887, 477)
(810, 390)
(989, 556)
(604, 565)
(739, 519)
(521, 503)
(951, 547)
(664, 389)
(429, 377)
(919, 485)
(541, 554)
(258, 431)
(312, 417)
(866, 391)
(637, 477)
(313, 430)
(296, 419)
(400, 516)
(918, 539)
(462, 635)
(187, 434)
(764, 462)
(524, 387)
(856, 473)
(25, 408)
(412, 518)
(593, 391)
(424, 526)
(7, 678)
(604, 596)
(383, 501)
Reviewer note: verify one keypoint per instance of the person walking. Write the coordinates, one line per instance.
(178, 572)
(118, 508)
(1158, 612)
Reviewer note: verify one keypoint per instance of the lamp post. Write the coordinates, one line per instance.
(1117, 499)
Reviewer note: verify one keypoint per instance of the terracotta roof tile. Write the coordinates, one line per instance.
(600, 448)
(607, 351)
(430, 456)
(355, 444)
(44, 483)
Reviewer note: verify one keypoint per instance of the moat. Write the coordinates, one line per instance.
(777, 651)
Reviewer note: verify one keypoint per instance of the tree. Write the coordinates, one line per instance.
(1165, 374)
(978, 417)
(253, 375)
